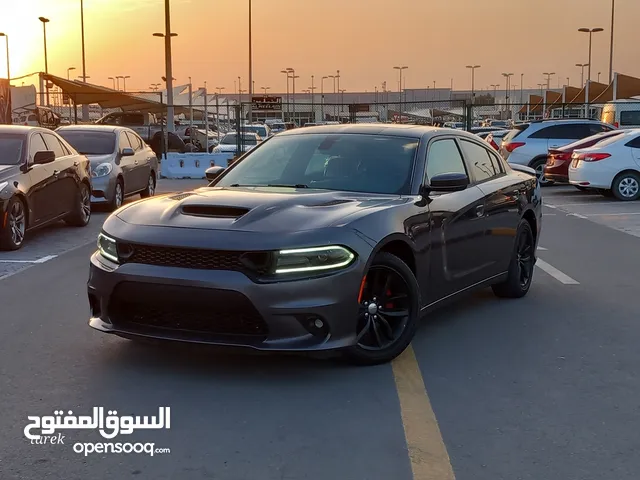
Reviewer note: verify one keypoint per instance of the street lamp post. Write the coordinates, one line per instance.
(522, 88)
(46, 63)
(313, 94)
(400, 69)
(507, 89)
(581, 66)
(168, 67)
(341, 92)
(473, 81)
(599, 73)
(335, 99)
(541, 86)
(590, 31)
(292, 72)
(251, 86)
(6, 39)
(219, 91)
(322, 96)
(613, 18)
(287, 73)
(549, 75)
(124, 81)
(113, 80)
(69, 70)
(338, 83)
(265, 90)
(495, 89)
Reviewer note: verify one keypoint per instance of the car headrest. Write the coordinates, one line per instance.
(341, 167)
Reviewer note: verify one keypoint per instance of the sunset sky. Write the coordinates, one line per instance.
(364, 39)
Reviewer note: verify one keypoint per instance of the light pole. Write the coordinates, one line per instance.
(219, 91)
(113, 80)
(507, 89)
(568, 82)
(69, 70)
(292, 72)
(541, 86)
(522, 88)
(168, 67)
(240, 92)
(265, 90)
(286, 72)
(46, 64)
(495, 88)
(6, 39)
(549, 75)
(338, 82)
(599, 73)
(473, 81)
(400, 69)
(251, 86)
(341, 92)
(322, 96)
(335, 99)
(613, 19)
(124, 81)
(590, 31)
(581, 66)
(155, 86)
(313, 89)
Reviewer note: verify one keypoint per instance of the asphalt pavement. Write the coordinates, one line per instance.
(544, 387)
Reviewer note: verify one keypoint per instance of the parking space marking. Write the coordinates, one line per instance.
(555, 273)
(591, 204)
(427, 452)
(611, 214)
(39, 260)
(542, 248)
(550, 206)
(576, 215)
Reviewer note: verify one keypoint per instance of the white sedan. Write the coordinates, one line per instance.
(611, 166)
(228, 144)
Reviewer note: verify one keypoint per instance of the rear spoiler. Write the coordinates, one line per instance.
(522, 168)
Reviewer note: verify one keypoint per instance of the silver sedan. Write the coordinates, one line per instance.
(121, 163)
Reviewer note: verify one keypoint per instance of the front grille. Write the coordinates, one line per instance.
(182, 257)
(184, 309)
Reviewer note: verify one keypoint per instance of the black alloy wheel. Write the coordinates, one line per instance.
(81, 214)
(388, 311)
(522, 265)
(15, 226)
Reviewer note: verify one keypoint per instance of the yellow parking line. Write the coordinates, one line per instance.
(427, 452)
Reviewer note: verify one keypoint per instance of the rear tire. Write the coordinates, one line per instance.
(626, 186)
(605, 193)
(81, 213)
(13, 233)
(388, 316)
(151, 186)
(538, 166)
(521, 266)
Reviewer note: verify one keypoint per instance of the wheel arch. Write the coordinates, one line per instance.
(400, 246)
(27, 210)
(530, 217)
(626, 170)
(535, 160)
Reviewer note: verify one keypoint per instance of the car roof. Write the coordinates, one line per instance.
(93, 128)
(20, 129)
(400, 130)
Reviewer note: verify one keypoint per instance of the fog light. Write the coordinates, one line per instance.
(318, 323)
(317, 326)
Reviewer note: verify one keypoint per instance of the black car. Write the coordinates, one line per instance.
(42, 180)
(330, 237)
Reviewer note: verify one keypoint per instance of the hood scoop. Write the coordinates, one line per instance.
(214, 211)
(331, 203)
(181, 196)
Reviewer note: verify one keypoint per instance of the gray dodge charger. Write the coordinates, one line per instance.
(330, 237)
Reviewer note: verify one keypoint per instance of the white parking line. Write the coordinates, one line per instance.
(39, 260)
(584, 203)
(611, 214)
(542, 248)
(555, 273)
(576, 215)
(549, 205)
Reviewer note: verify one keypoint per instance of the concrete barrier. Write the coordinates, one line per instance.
(191, 165)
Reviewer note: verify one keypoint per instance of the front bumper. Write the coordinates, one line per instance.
(103, 188)
(287, 309)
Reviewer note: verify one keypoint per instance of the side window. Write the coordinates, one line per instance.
(569, 131)
(498, 166)
(124, 141)
(444, 157)
(479, 160)
(54, 145)
(635, 143)
(597, 128)
(135, 141)
(630, 117)
(36, 144)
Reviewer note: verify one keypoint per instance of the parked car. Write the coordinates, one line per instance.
(121, 163)
(558, 159)
(143, 123)
(263, 131)
(42, 180)
(322, 238)
(494, 138)
(611, 166)
(528, 144)
(228, 144)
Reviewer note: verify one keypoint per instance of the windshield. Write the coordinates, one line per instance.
(90, 143)
(514, 132)
(347, 162)
(231, 139)
(11, 147)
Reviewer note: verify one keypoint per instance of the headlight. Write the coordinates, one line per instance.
(313, 259)
(107, 247)
(102, 170)
(3, 185)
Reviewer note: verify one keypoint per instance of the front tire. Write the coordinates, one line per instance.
(626, 186)
(388, 314)
(521, 266)
(118, 196)
(15, 226)
(151, 186)
(81, 213)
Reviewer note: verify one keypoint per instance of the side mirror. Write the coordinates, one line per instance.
(449, 182)
(128, 152)
(44, 157)
(213, 172)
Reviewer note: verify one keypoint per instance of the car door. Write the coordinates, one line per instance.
(65, 186)
(457, 225)
(42, 199)
(141, 166)
(127, 164)
(635, 149)
(560, 135)
(501, 196)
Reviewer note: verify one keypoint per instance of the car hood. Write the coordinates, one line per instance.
(8, 171)
(251, 209)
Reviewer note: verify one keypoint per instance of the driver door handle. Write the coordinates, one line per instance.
(135, 162)
(75, 164)
(56, 173)
(480, 210)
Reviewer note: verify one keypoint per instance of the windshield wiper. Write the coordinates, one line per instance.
(284, 185)
(245, 185)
